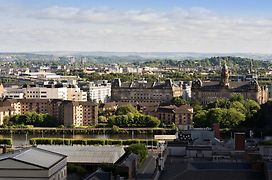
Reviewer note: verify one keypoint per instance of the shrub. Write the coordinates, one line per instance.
(6, 141)
(95, 141)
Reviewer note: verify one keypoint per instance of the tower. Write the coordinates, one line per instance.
(224, 76)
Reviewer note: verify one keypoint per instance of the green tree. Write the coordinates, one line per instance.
(200, 119)
(232, 118)
(178, 101)
(140, 150)
(123, 110)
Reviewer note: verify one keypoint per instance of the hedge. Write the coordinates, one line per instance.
(6, 141)
(60, 141)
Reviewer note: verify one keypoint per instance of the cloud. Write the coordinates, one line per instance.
(105, 29)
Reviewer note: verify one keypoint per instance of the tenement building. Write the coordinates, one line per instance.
(209, 91)
(144, 92)
(76, 113)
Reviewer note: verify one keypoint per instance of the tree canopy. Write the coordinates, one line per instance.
(229, 113)
(32, 118)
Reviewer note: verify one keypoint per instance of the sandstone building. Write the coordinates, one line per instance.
(209, 91)
(138, 92)
(76, 113)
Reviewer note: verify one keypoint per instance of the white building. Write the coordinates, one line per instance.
(13, 93)
(55, 91)
(33, 163)
(100, 91)
(46, 93)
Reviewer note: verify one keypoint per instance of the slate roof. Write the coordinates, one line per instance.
(34, 156)
(234, 86)
(88, 154)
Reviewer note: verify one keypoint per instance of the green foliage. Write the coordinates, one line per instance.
(133, 120)
(229, 113)
(33, 118)
(102, 119)
(140, 150)
(178, 101)
(85, 141)
(6, 141)
(124, 110)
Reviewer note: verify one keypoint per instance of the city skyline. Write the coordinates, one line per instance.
(136, 26)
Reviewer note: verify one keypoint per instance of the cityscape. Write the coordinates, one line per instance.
(136, 90)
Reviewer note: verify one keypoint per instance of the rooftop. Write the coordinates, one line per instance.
(34, 156)
(88, 154)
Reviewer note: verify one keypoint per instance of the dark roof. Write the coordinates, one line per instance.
(174, 109)
(234, 86)
(147, 85)
(99, 175)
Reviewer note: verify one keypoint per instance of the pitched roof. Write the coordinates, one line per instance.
(88, 154)
(34, 156)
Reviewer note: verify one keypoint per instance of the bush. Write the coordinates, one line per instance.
(95, 142)
(131, 141)
(113, 142)
(78, 141)
(6, 141)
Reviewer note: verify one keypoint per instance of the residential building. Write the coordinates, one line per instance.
(181, 116)
(80, 113)
(209, 91)
(76, 113)
(99, 91)
(75, 94)
(144, 92)
(33, 163)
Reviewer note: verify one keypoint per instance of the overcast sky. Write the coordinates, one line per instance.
(221, 26)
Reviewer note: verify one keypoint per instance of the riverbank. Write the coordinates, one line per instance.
(90, 131)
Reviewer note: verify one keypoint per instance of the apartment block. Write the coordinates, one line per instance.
(80, 113)
(76, 113)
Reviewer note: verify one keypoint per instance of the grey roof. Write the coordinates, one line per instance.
(34, 156)
(88, 154)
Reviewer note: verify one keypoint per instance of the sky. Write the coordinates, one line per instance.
(204, 26)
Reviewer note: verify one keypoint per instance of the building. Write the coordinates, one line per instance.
(99, 91)
(33, 163)
(47, 91)
(2, 90)
(75, 94)
(209, 91)
(5, 112)
(144, 92)
(181, 116)
(14, 93)
(88, 155)
(76, 113)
